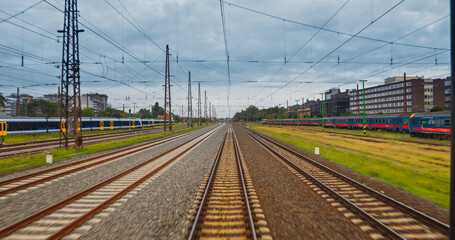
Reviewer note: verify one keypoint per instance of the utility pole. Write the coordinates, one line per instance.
(297, 101)
(199, 110)
(190, 102)
(452, 126)
(322, 109)
(205, 105)
(71, 77)
(279, 112)
(364, 122)
(18, 103)
(210, 110)
(167, 93)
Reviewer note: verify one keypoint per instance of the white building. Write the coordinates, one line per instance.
(94, 100)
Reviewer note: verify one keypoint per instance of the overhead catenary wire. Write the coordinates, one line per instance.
(328, 54)
(223, 21)
(328, 30)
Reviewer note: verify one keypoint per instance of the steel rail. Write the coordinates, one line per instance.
(372, 220)
(197, 219)
(444, 228)
(22, 223)
(88, 137)
(166, 139)
(239, 164)
(7, 152)
(63, 232)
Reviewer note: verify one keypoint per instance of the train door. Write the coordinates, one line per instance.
(101, 125)
(133, 123)
(63, 126)
(149, 123)
(79, 126)
(3, 129)
(112, 124)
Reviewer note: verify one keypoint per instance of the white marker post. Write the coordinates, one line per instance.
(316, 150)
(49, 159)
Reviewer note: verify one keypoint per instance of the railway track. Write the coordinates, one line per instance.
(375, 213)
(229, 208)
(20, 184)
(382, 138)
(77, 214)
(40, 146)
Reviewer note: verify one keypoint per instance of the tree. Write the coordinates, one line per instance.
(439, 109)
(2, 101)
(112, 112)
(176, 118)
(144, 113)
(157, 110)
(88, 112)
(41, 108)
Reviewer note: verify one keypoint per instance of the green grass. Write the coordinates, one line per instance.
(372, 133)
(416, 168)
(33, 160)
(15, 139)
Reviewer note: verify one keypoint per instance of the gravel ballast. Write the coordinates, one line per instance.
(292, 209)
(160, 210)
(400, 195)
(15, 208)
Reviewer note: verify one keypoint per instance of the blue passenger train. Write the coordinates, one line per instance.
(417, 124)
(32, 125)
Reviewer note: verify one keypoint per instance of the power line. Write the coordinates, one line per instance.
(227, 53)
(328, 54)
(23, 11)
(328, 30)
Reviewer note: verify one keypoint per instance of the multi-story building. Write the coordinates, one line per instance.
(94, 100)
(448, 92)
(51, 98)
(12, 106)
(399, 95)
(336, 102)
(2, 111)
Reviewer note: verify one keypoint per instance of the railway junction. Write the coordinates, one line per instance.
(223, 181)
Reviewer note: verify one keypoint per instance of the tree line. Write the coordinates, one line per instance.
(43, 108)
(254, 114)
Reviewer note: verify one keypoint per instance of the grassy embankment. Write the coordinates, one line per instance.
(375, 133)
(422, 170)
(14, 139)
(33, 160)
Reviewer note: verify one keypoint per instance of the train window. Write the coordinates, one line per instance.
(437, 122)
(420, 122)
(413, 121)
(447, 122)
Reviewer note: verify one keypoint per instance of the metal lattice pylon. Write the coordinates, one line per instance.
(70, 96)
(167, 94)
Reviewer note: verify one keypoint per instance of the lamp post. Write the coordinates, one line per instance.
(322, 109)
(364, 122)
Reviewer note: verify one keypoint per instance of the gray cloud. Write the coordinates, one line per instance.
(257, 45)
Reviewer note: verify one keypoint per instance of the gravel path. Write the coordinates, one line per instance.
(292, 209)
(56, 191)
(160, 210)
(420, 204)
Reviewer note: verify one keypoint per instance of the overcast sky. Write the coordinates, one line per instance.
(320, 40)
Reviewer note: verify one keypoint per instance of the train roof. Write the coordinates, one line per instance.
(39, 119)
(432, 114)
